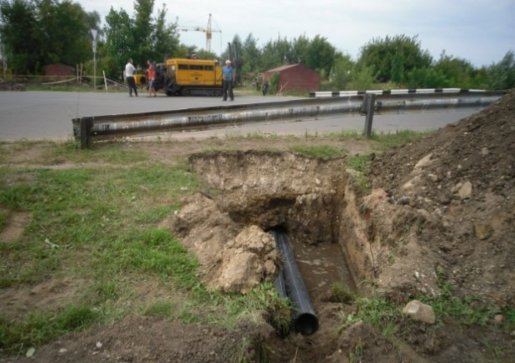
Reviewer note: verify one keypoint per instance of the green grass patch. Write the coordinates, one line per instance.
(40, 327)
(468, 310)
(162, 309)
(358, 162)
(341, 293)
(151, 251)
(4, 216)
(109, 153)
(76, 210)
(385, 141)
(376, 311)
(318, 151)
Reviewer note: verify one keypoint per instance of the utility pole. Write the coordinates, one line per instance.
(94, 33)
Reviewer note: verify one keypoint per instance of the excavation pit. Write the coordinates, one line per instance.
(248, 193)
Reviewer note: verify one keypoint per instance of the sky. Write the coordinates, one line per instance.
(480, 31)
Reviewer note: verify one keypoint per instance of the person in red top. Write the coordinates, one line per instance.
(151, 78)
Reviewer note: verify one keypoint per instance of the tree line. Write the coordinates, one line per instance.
(34, 33)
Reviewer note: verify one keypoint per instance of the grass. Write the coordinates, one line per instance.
(468, 310)
(376, 311)
(319, 151)
(3, 219)
(386, 316)
(392, 140)
(40, 326)
(97, 224)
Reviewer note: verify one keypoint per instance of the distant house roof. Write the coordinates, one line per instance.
(294, 77)
(283, 67)
(58, 69)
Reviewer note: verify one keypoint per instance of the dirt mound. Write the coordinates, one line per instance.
(457, 186)
(149, 339)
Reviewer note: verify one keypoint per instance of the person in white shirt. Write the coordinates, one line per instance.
(129, 76)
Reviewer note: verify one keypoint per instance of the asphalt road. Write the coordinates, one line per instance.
(48, 115)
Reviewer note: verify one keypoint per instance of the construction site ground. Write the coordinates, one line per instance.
(437, 219)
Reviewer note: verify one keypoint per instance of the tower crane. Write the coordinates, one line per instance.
(208, 30)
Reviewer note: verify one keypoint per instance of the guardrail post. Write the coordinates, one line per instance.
(368, 106)
(85, 126)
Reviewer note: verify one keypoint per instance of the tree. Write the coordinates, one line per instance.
(392, 58)
(36, 33)
(362, 78)
(342, 72)
(427, 77)
(140, 38)
(19, 45)
(275, 53)
(501, 75)
(119, 42)
(164, 38)
(320, 55)
(64, 31)
(299, 50)
(457, 72)
(143, 28)
(251, 55)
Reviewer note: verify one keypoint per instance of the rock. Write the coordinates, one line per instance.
(404, 200)
(483, 231)
(465, 191)
(425, 161)
(499, 318)
(444, 198)
(420, 311)
(30, 352)
(433, 177)
(247, 260)
(410, 184)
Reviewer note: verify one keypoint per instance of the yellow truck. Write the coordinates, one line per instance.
(140, 78)
(189, 77)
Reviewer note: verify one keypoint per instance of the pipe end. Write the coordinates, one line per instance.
(306, 323)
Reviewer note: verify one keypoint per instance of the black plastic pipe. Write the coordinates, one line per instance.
(305, 320)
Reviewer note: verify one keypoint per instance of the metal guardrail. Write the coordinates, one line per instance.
(88, 128)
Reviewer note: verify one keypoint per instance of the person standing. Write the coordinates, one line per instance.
(129, 76)
(151, 77)
(228, 80)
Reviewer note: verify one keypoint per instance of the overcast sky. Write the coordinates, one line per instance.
(480, 31)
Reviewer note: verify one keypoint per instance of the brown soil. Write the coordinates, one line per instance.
(441, 208)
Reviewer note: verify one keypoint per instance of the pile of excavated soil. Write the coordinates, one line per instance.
(458, 186)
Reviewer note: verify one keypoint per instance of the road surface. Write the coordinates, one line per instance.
(48, 115)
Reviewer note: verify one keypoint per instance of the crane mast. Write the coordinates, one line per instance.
(208, 30)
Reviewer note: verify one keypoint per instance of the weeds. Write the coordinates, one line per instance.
(320, 151)
(468, 311)
(392, 140)
(3, 219)
(40, 327)
(341, 293)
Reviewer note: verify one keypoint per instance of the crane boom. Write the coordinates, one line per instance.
(208, 30)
